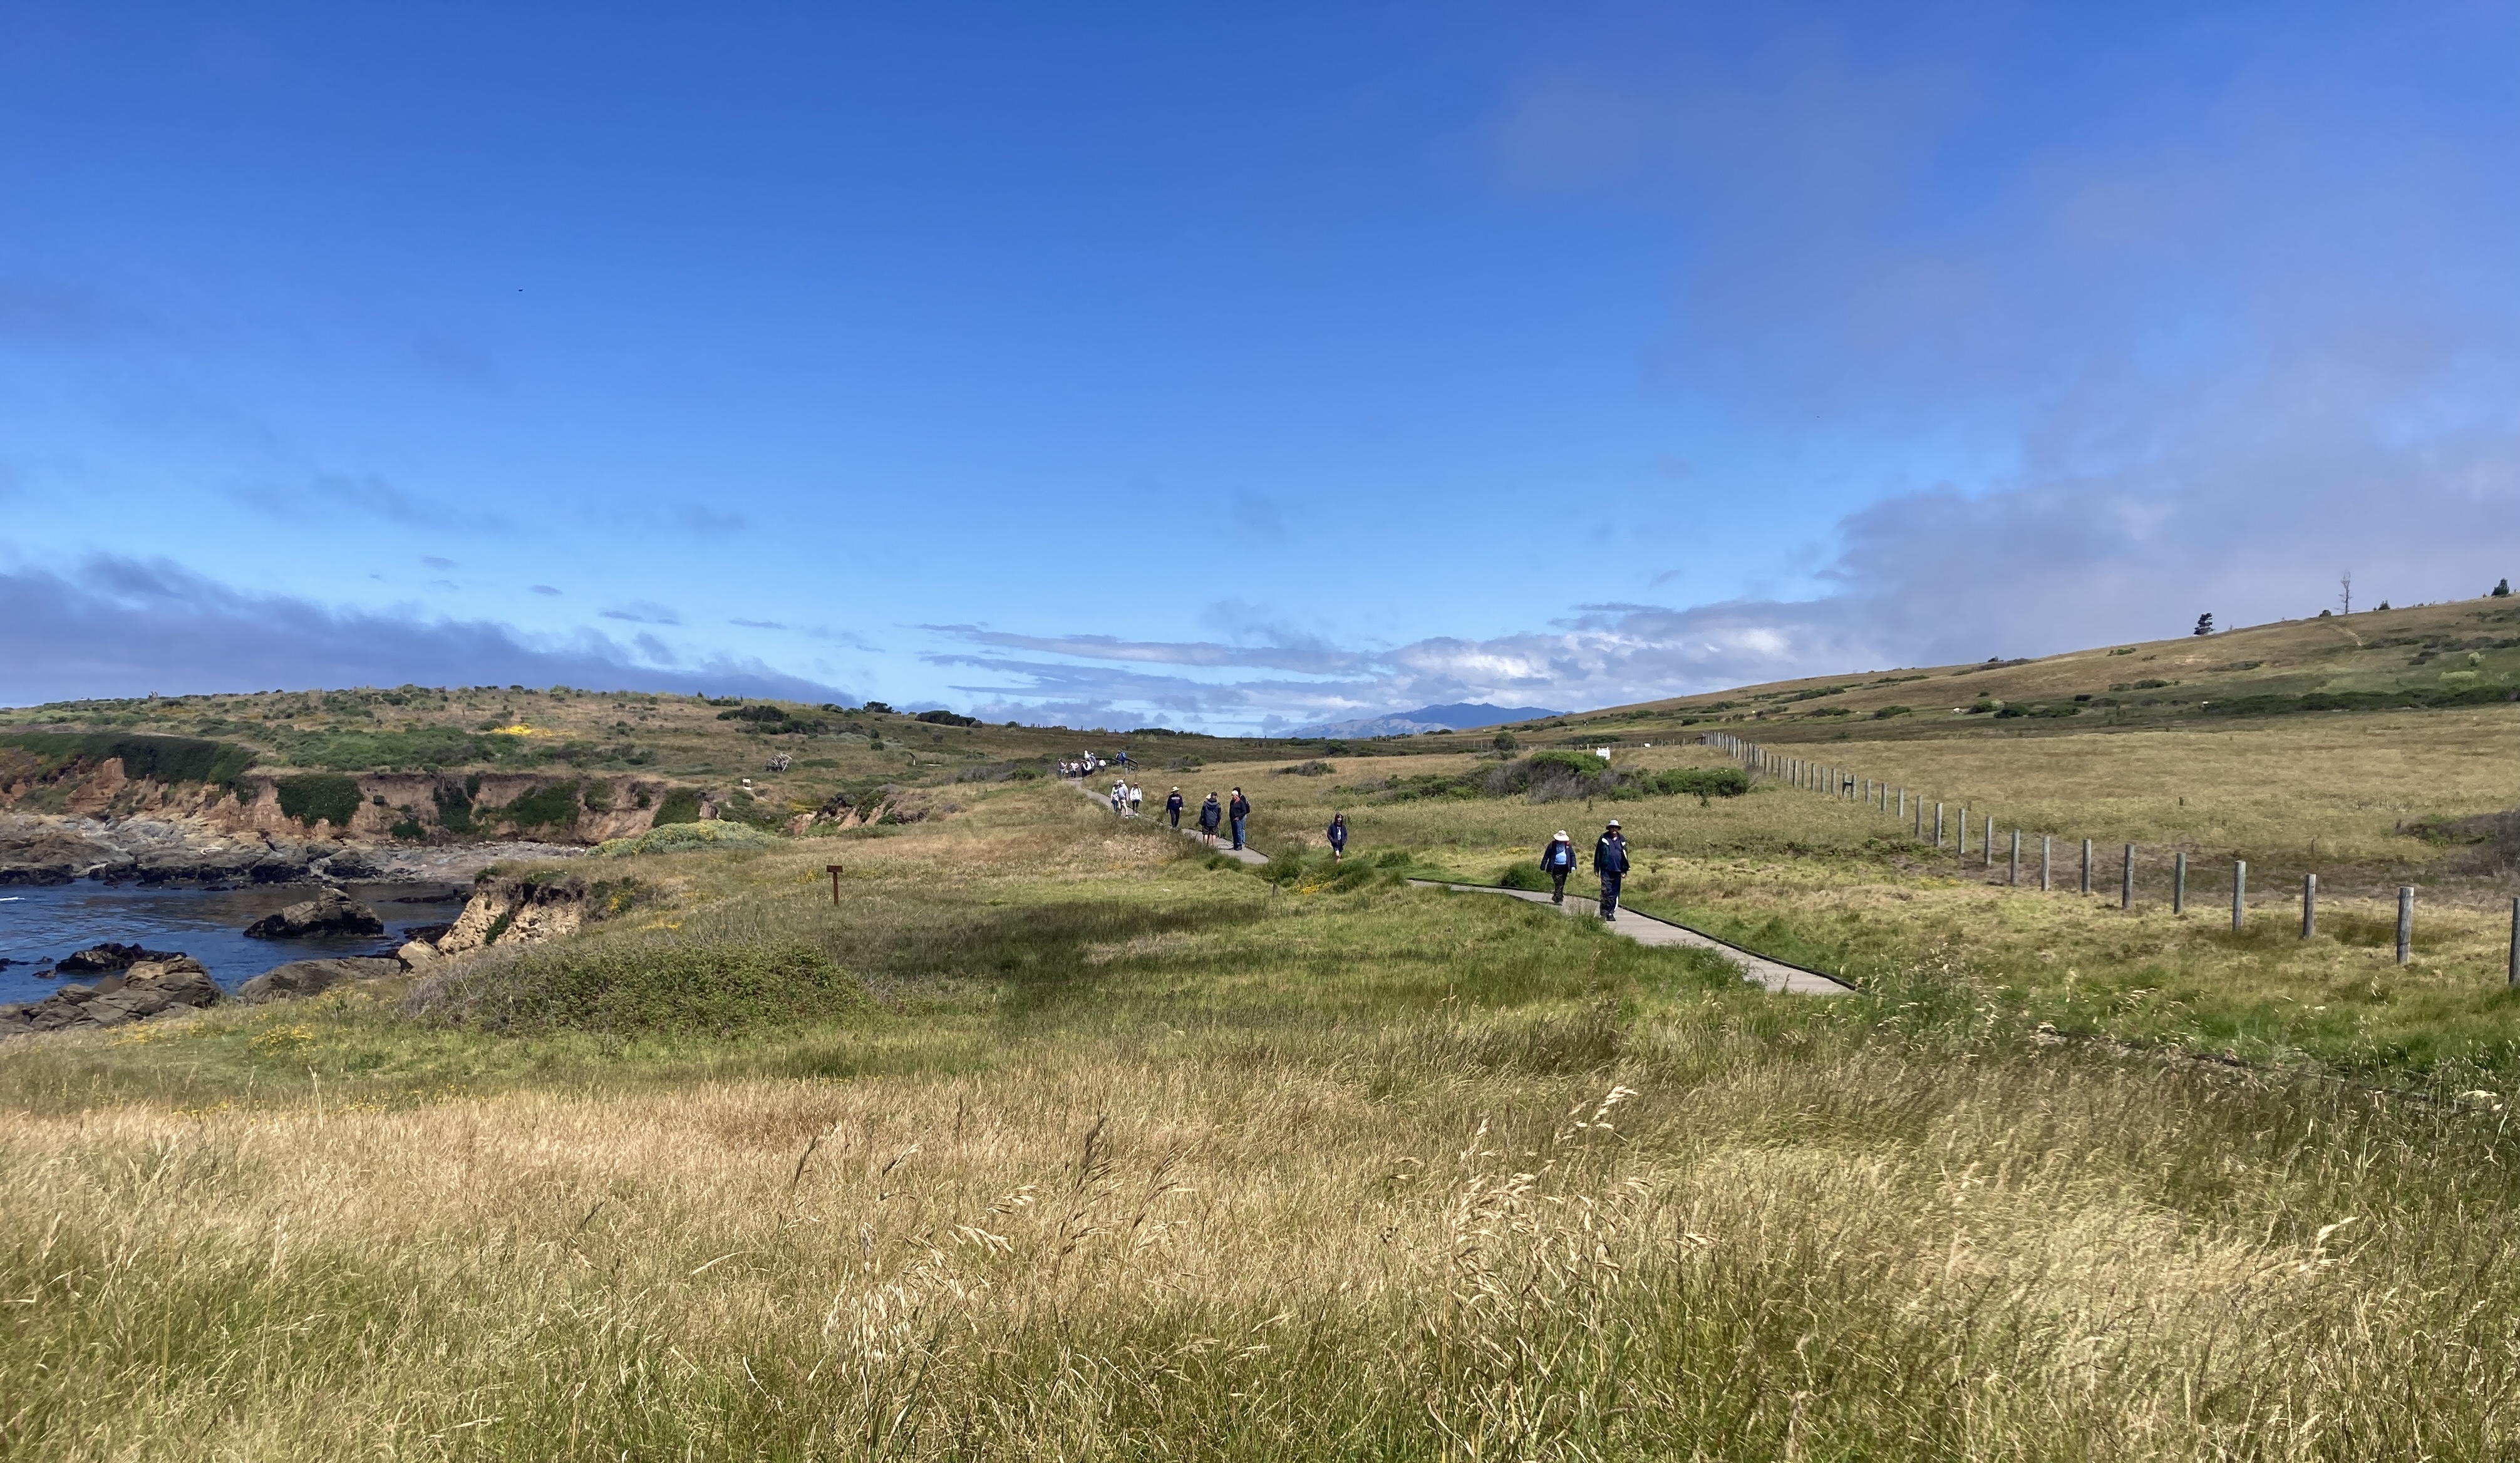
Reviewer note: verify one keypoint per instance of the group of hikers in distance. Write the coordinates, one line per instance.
(1557, 860)
(1086, 764)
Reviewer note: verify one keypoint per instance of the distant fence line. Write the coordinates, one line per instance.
(1832, 781)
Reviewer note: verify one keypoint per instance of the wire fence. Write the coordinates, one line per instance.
(2023, 859)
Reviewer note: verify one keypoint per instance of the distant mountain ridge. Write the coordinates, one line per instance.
(1457, 717)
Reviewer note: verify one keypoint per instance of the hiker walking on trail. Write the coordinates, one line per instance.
(1338, 838)
(1240, 808)
(1610, 861)
(1137, 799)
(1209, 815)
(1119, 796)
(1557, 860)
(1173, 807)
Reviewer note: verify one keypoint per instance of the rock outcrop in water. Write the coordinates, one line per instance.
(299, 978)
(108, 958)
(331, 912)
(144, 989)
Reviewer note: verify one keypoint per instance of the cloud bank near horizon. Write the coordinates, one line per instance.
(130, 627)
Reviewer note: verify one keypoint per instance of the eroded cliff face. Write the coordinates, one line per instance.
(97, 820)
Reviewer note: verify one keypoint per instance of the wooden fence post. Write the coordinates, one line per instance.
(2126, 881)
(2046, 860)
(2406, 922)
(2014, 878)
(1938, 821)
(2179, 887)
(2239, 893)
(1989, 845)
(2087, 866)
(2514, 977)
(2309, 905)
(834, 871)
(1962, 845)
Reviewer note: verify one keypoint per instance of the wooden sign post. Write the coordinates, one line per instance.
(834, 870)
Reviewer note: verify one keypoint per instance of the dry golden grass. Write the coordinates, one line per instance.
(1394, 1250)
(1143, 1159)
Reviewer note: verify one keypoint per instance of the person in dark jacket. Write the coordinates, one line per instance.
(1173, 807)
(1610, 861)
(1238, 809)
(1338, 838)
(1209, 815)
(1557, 860)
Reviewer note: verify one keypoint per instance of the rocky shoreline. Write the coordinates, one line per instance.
(41, 848)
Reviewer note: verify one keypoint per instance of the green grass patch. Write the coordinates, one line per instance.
(642, 987)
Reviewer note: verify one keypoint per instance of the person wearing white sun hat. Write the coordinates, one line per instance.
(1610, 861)
(1557, 860)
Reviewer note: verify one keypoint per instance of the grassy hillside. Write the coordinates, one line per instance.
(1109, 1152)
(2463, 653)
(1057, 1136)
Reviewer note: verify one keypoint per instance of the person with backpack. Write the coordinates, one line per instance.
(1610, 861)
(1209, 815)
(1557, 860)
(1239, 809)
(1173, 808)
(1338, 838)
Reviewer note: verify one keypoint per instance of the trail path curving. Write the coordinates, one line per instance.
(1103, 799)
(1645, 929)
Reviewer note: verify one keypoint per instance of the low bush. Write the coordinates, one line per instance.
(551, 806)
(1525, 876)
(634, 987)
(680, 838)
(327, 797)
(167, 759)
(681, 806)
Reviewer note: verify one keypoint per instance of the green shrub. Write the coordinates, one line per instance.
(681, 806)
(1703, 782)
(368, 751)
(551, 806)
(678, 838)
(166, 760)
(1886, 712)
(1525, 876)
(650, 987)
(327, 797)
(455, 805)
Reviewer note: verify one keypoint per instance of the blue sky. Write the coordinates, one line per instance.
(1234, 368)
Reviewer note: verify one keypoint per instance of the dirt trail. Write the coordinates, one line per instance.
(1102, 798)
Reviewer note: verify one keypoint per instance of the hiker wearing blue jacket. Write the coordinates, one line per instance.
(1610, 861)
(1338, 838)
(1557, 860)
(1209, 815)
(1173, 807)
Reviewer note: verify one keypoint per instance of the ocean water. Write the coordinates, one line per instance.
(42, 923)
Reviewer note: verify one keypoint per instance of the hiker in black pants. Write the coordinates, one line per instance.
(1610, 861)
(1557, 860)
(1173, 807)
(1209, 815)
(1338, 838)
(1240, 808)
